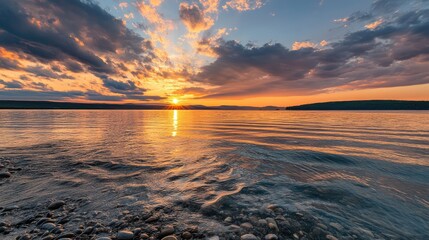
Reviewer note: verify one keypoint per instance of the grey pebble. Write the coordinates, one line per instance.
(125, 235)
(248, 237)
(56, 205)
(271, 237)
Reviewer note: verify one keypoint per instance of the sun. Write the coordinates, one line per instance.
(175, 101)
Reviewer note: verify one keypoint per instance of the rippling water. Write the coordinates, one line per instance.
(366, 170)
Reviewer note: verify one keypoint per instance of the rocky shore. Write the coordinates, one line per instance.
(74, 218)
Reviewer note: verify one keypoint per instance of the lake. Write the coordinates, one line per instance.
(349, 175)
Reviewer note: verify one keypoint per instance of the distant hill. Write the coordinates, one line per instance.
(365, 105)
(9, 104)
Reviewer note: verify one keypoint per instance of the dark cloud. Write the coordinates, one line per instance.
(70, 31)
(11, 84)
(128, 87)
(39, 95)
(367, 58)
(193, 17)
(40, 71)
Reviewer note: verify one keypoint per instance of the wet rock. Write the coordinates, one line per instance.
(5, 175)
(262, 222)
(330, 237)
(337, 226)
(213, 238)
(272, 224)
(103, 238)
(271, 237)
(246, 226)
(48, 226)
(152, 218)
(125, 235)
(167, 230)
(137, 231)
(186, 235)
(234, 228)
(56, 205)
(228, 219)
(172, 237)
(88, 230)
(144, 236)
(295, 236)
(67, 235)
(49, 237)
(10, 208)
(248, 237)
(25, 237)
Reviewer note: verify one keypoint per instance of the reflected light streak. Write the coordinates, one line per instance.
(175, 122)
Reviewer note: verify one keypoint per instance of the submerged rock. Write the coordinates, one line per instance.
(271, 237)
(167, 230)
(248, 237)
(56, 205)
(172, 237)
(5, 175)
(125, 235)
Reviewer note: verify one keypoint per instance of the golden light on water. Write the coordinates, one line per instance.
(175, 123)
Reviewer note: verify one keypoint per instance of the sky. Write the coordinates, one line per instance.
(214, 52)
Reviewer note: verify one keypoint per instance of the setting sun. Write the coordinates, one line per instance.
(175, 101)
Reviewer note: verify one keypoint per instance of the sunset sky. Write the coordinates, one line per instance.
(214, 52)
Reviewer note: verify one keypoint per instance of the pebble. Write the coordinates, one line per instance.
(271, 237)
(172, 237)
(49, 237)
(144, 236)
(336, 226)
(48, 226)
(125, 235)
(186, 235)
(248, 237)
(246, 225)
(103, 238)
(330, 237)
(25, 237)
(262, 222)
(167, 230)
(5, 175)
(56, 205)
(213, 238)
(228, 219)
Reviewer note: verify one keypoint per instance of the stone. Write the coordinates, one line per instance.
(25, 237)
(137, 231)
(48, 226)
(330, 237)
(171, 237)
(271, 237)
(67, 235)
(49, 237)
(228, 219)
(337, 226)
(248, 237)
(5, 175)
(125, 235)
(88, 230)
(262, 222)
(166, 230)
(213, 238)
(56, 205)
(246, 225)
(103, 238)
(186, 235)
(144, 236)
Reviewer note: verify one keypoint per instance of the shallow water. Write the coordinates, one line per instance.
(367, 170)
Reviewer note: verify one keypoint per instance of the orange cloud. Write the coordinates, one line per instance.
(243, 5)
(299, 45)
(374, 25)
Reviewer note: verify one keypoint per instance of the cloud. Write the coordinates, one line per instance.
(128, 87)
(393, 54)
(243, 5)
(72, 30)
(374, 25)
(12, 84)
(193, 17)
(299, 45)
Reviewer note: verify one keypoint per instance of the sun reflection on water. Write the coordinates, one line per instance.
(175, 123)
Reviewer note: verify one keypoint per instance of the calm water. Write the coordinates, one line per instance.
(366, 170)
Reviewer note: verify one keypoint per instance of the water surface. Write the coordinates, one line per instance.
(366, 170)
